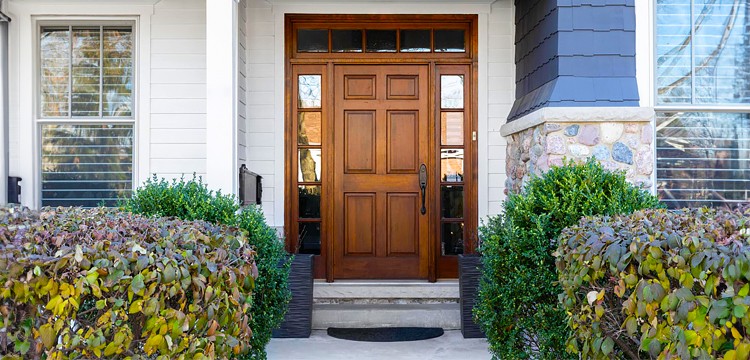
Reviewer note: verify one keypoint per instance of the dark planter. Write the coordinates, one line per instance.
(298, 320)
(469, 274)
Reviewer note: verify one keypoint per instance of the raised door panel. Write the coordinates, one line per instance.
(359, 142)
(359, 224)
(402, 87)
(360, 87)
(403, 142)
(403, 224)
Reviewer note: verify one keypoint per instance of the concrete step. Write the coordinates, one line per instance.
(386, 304)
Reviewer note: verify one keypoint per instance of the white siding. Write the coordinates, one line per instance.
(501, 93)
(241, 82)
(178, 88)
(260, 137)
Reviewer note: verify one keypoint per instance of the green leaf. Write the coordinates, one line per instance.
(137, 284)
(607, 346)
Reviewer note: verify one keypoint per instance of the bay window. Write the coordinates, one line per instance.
(703, 102)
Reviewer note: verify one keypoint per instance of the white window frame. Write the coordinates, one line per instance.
(39, 121)
(650, 12)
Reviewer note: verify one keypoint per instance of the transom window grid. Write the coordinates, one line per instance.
(396, 36)
(703, 102)
(85, 114)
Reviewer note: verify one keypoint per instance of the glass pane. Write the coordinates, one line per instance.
(346, 40)
(309, 91)
(55, 71)
(703, 159)
(673, 49)
(452, 201)
(452, 238)
(309, 202)
(452, 91)
(450, 41)
(86, 71)
(451, 165)
(381, 40)
(312, 40)
(118, 72)
(721, 52)
(415, 41)
(309, 165)
(309, 238)
(452, 128)
(86, 165)
(308, 128)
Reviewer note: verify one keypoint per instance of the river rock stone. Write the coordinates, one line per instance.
(611, 132)
(622, 153)
(589, 135)
(572, 130)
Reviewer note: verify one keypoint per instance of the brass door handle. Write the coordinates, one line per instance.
(423, 185)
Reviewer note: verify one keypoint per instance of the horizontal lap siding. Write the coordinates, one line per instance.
(178, 88)
(501, 70)
(260, 137)
(242, 82)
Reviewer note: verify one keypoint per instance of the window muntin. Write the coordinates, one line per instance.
(86, 119)
(703, 102)
(86, 72)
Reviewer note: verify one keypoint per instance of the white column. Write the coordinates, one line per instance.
(221, 101)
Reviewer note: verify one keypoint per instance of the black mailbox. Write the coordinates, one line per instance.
(14, 190)
(251, 187)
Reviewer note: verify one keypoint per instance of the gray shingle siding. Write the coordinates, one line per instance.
(574, 53)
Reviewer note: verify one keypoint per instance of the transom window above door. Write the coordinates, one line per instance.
(381, 40)
(398, 36)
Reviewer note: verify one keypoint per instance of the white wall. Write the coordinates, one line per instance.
(262, 139)
(501, 93)
(242, 82)
(265, 93)
(178, 88)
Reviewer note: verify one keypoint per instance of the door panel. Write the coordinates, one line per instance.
(359, 142)
(403, 142)
(359, 211)
(403, 224)
(381, 123)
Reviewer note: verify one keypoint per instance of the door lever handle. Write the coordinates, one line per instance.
(423, 185)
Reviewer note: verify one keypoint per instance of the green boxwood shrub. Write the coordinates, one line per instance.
(192, 200)
(658, 284)
(84, 284)
(517, 305)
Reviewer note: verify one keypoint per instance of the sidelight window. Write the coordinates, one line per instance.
(309, 162)
(452, 117)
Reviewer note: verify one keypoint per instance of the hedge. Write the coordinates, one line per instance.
(192, 200)
(658, 284)
(106, 284)
(517, 305)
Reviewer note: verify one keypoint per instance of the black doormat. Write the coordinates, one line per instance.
(385, 334)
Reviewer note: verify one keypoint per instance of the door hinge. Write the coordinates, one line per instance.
(473, 136)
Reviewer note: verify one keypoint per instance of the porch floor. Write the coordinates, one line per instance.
(451, 345)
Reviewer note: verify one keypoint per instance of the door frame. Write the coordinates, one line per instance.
(323, 63)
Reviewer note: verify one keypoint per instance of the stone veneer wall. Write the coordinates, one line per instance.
(623, 143)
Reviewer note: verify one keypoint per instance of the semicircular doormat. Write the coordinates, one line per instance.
(385, 334)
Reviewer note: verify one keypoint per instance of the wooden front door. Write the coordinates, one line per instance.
(381, 137)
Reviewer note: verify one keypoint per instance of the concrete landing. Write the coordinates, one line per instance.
(451, 345)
